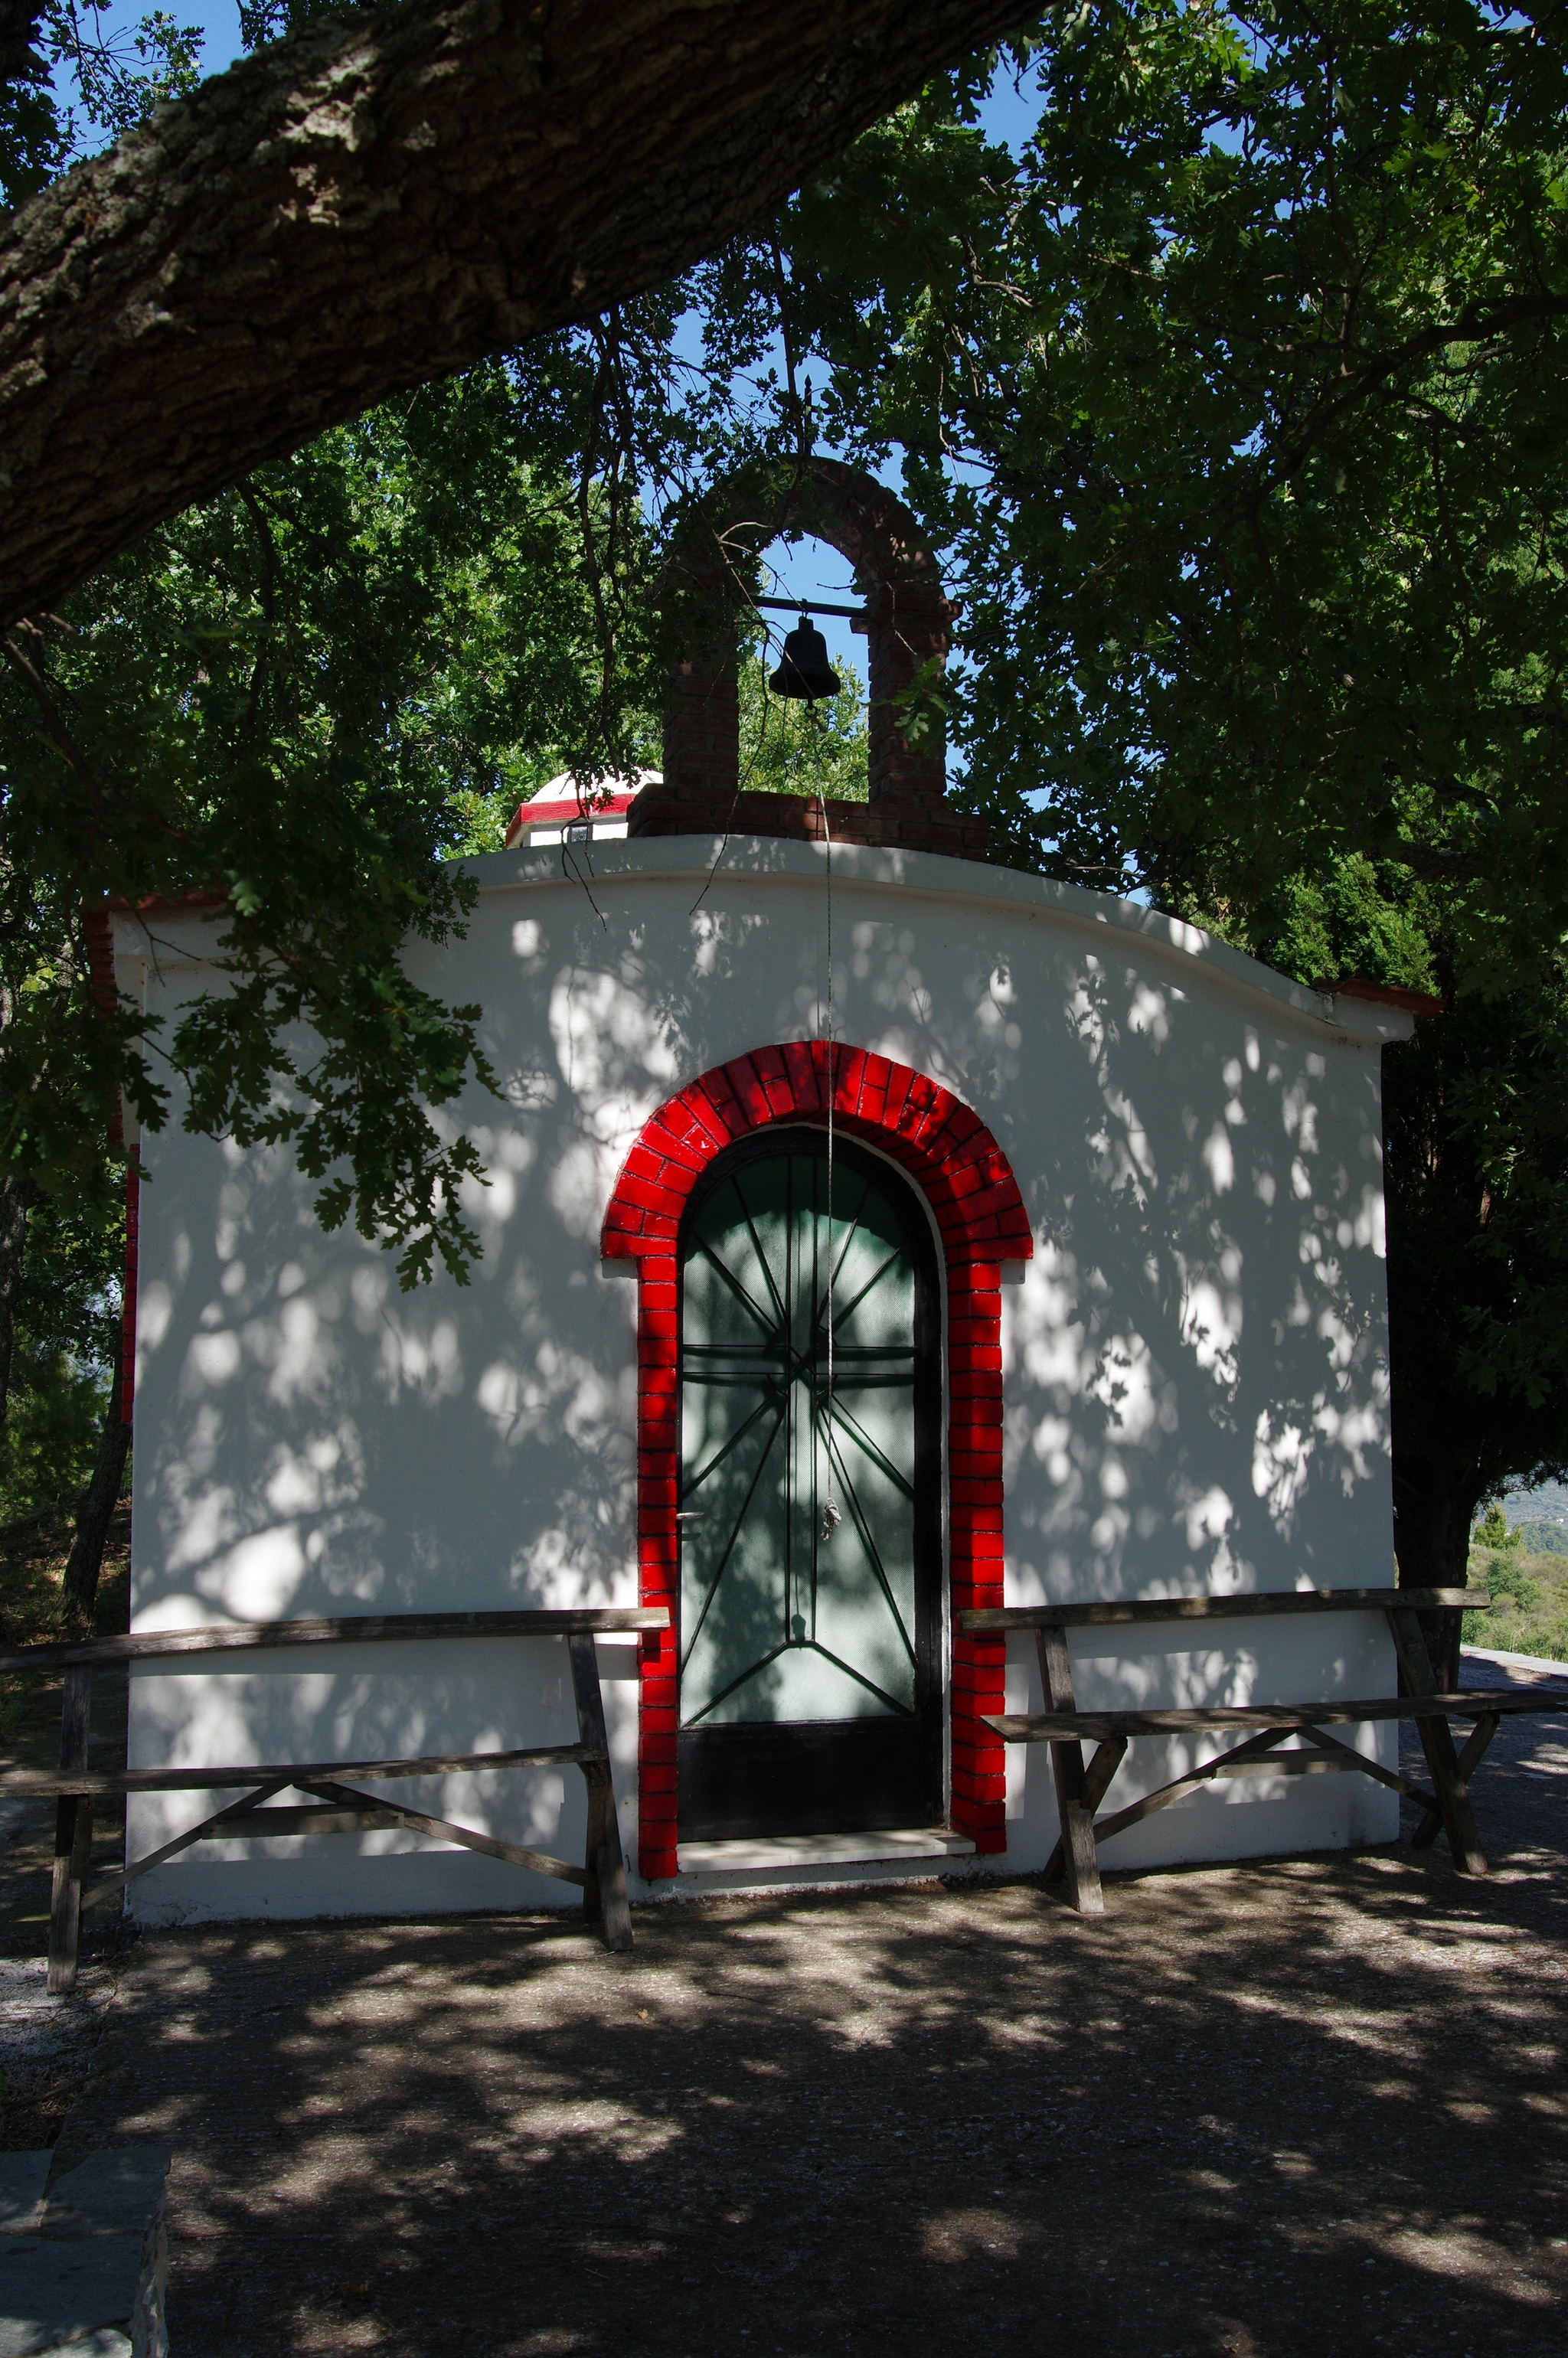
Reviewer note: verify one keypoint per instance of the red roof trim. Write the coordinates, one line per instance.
(592, 803)
(1386, 994)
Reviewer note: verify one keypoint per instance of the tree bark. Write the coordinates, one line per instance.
(86, 1559)
(1436, 1500)
(383, 200)
(15, 1201)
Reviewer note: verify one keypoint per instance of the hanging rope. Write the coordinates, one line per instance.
(832, 1513)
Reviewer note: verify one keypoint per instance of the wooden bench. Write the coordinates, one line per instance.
(335, 1807)
(1081, 1787)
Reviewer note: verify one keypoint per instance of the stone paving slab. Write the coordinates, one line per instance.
(92, 2277)
(54, 2294)
(1308, 2109)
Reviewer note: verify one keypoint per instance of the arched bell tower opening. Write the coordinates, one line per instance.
(906, 616)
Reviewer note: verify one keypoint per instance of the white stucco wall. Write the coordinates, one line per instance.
(1195, 1380)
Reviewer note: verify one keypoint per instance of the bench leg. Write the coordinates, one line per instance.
(1079, 1856)
(72, 1857)
(72, 1834)
(1469, 1760)
(1099, 1778)
(605, 1898)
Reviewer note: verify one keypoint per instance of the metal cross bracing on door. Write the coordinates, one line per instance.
(786, 1620)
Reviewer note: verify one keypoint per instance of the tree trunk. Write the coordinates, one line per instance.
(1436, 1500)
(15, 1201)
(372, 203)
(86, 1561)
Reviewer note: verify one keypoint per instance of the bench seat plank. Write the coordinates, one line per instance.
(97, 1782)
(1053, 1728)
(983, 1620)
(357, 1628)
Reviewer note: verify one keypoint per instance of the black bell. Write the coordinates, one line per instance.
(804, 670)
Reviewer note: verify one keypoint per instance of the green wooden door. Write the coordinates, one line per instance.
(809, 1674)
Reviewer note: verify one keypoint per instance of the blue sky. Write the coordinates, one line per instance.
(219, 25)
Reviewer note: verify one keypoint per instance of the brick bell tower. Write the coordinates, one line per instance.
(905, 620)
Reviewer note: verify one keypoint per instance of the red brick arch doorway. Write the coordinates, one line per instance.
(965, 1177)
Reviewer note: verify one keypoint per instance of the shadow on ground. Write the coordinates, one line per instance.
(1314, 2106)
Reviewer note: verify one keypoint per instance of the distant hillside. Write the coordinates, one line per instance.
(1529, 1586)
(1547, 1504)
(1542, 1515)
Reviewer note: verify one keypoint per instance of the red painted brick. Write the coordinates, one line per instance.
(752, 1097)
(988, 1202)
(646, 1162)
(804, 1089)
(701, 1120)
(773, 1074)
(966, 1491)
(724, 1107)
(675, 1136)
(895, 1083)
(973, 1742)
(979, 1677)
(974, 1415)
(650, 1196)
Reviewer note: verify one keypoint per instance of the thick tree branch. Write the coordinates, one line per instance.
(381, 199)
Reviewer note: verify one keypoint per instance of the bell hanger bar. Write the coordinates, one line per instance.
(805, 606)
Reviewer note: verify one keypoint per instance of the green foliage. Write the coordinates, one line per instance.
(300, 696)
(68, 1308)
(116, 77)
(1510, 1585)
(1232, 401)
(1492, 1531)
(793, 748)
(119, 76)
(1249, 363)
(1529, 1605)
(51, 1434)
(296, 703)
(1538, 1537)
(33, 142)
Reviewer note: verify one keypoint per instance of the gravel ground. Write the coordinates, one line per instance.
(1311, 2106)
